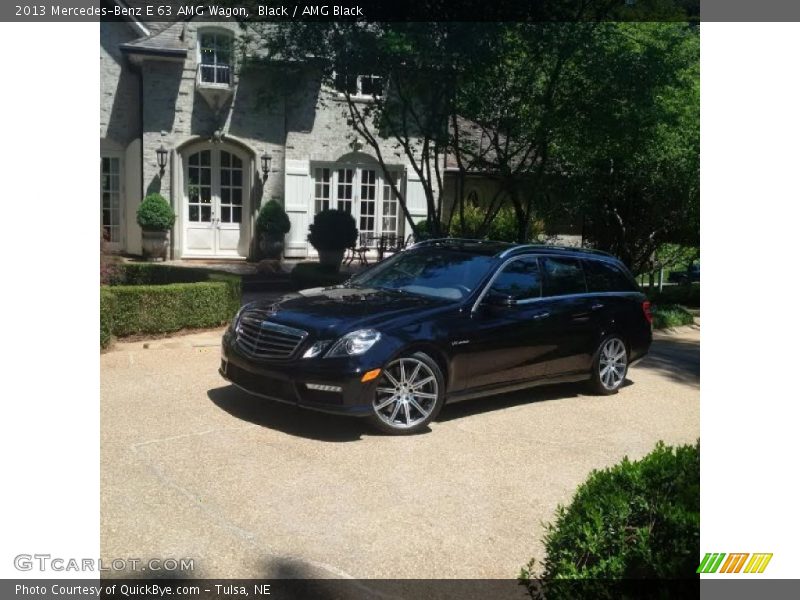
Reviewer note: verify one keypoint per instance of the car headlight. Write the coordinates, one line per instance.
(354, 343)
(317, 348)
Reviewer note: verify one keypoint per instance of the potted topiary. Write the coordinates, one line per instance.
(331, 233)
(272, 225)
(156, 217)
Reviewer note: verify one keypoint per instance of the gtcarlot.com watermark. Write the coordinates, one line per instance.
(47, 562)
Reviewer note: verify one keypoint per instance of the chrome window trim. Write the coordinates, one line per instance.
(586, 294)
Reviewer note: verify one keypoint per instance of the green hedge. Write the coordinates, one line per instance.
(670, 315)
(161, 299)
(310, 275)
(638, 519)
(106, 316)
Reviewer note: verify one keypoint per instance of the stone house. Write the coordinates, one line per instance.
(177, 118)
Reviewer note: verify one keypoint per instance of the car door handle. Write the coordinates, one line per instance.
(542, 315)
(597, 305)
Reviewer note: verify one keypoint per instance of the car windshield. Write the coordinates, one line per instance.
(441, 273)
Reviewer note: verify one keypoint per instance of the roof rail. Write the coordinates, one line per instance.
(448, 240)
(554, 247)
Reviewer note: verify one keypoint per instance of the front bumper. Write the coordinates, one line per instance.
(288, 381)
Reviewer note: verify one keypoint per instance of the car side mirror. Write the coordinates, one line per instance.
(496, 300)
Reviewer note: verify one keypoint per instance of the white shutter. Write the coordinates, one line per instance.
(297, 201)
(415, 196)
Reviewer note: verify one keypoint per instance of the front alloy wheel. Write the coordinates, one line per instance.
(408, 395)
(610, 367)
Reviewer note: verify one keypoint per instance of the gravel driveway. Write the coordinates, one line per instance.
(192, 467)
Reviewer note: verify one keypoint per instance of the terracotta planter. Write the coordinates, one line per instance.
(331, 258)
(154, 244)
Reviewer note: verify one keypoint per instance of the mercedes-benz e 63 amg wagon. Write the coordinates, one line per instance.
(442, 321)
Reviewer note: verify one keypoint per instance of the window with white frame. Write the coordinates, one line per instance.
(390, 207)
(366, 86)
(322, 189)
(110, 199)
(216, 57)
(363, 192)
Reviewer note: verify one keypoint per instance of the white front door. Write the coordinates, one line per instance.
(216, 203)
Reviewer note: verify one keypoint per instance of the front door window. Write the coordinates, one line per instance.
(230, 199)
(216, 197)
(200, 187)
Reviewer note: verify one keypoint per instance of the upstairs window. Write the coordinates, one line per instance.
(216, 57)
(365, 86)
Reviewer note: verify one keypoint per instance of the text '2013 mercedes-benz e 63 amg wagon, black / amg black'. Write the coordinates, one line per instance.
(442, 321)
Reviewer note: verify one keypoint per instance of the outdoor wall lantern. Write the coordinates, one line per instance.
(266, 164)
(161, 153)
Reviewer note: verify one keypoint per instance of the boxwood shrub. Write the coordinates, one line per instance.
(106, 316)
(157, 299)
(638, 519)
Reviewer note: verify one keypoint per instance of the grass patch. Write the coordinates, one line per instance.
(638, 519)
(152, 299)
(311, 274)
(670, 315)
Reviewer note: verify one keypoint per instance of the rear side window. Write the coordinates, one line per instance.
(520, 280)
(606, 277)
(562, 276)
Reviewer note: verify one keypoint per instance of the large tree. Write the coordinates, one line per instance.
(421, 66)
(631, 150)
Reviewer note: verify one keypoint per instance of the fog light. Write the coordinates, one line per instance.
(323, 388)
(370, 375)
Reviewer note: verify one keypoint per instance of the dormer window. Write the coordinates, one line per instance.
(216, 58)
(360, 86)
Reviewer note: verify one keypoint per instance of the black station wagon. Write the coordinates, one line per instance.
(442, 321)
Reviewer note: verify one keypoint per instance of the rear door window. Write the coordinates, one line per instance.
(602, 276)
(520, 279)
(562, 276)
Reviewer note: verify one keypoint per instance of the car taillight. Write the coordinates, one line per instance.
(646, 309)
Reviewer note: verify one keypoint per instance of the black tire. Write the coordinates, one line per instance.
(407, 409)
(603, 382)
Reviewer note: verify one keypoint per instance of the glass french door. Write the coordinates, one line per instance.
(216, 203)
(362, 192)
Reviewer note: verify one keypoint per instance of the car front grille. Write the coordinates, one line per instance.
(260, 338)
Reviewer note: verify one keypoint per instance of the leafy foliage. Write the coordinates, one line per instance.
(155, 214)
(106, 316)
(670, 315)
(638, 519)
(685, 295)
(333, 230)
(273, 220)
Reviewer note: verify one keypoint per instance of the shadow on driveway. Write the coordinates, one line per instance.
(678, 359)
(286, 418)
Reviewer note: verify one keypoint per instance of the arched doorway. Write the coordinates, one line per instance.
(216, 201)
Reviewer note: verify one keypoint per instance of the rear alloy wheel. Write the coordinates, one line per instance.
(610, 367)
(409, 395)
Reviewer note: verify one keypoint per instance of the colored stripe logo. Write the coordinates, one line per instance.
(719, 562)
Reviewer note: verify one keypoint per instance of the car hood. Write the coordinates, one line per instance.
(334, 311)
